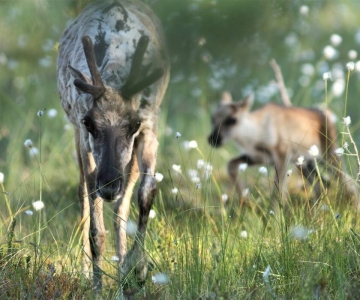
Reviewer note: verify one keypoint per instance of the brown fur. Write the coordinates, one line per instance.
(275, 135)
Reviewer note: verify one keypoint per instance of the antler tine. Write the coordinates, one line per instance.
(91, 61)
(144, 83)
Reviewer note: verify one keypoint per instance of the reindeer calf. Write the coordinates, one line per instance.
(113, 71)
(275, 135)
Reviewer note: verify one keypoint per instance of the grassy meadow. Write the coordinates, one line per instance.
(205, 241)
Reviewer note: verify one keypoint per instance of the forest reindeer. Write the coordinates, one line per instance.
(276, 135)
(113, 71)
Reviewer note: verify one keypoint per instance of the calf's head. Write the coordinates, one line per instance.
(228, 119)
(111, 122)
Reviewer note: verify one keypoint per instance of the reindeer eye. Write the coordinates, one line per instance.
(230, 121)
(134, 127)
(89, 125)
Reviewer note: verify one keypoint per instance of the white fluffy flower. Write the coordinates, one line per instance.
(304, 10)
(263, 170)
(335, 39)
(330, 52)
(327, 76)
(160, 278)
(339, 151)
(314, 150)
(243, 234)
(1, 177)
(243, 167)
(176, 168)
(52, 113)
(174, 190)
(266, 274)
(158, 176)
(38, 205)
(152, 214)
(40, 113)
(300, 232)
(300, 160)
(347, 121)
(114, 258)
(245, 193)
(224, 198)
(177, 134)
(350, 66)
(28, 212)
(193, 145)
(200, 163)
(289, 172)
(28, 143)
(352, 54)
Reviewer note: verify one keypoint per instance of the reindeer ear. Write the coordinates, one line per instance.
(246, 103)
(226, 98)
(79, 75)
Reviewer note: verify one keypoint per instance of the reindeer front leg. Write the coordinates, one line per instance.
(122, 209)
(233, 168)
(146, 153)
(94, 206)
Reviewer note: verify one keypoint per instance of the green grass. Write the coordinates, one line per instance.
(207, 249)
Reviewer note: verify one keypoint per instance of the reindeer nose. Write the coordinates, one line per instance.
(108, 190)
(214, 139)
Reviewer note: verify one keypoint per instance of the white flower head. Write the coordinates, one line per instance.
(289, 172)
(152, 214)
(2, 177)
(28, 143)
(198, 186)
(245, 193)
(350, 66)
(52, 113)
(314, 150)
(176, 168)
(271, 212)
(330, 52)
(300, 160)
(243, 234)
(266, 274)
(40, 113)
(263, 170)
(28, 212)
(352, 54)
(174, 190)
(304, 10)
(38, 205)
(200, 163)
(193, 145)
(300, 232)
(177, 134)
(224, 198)
(158, 177)
(242, 167)
(114, 258)
(131, 227)
(339, 152)
(327, 76)
(347, 121)
(346, 146)
(160, 278)
(335, 39)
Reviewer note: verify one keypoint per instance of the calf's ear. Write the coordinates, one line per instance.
(246, 103)
(79, 75)
(226, 98)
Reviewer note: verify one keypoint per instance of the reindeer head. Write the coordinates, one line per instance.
(228, 119)
(111, 122)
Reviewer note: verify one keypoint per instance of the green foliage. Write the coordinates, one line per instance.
(208, 248)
